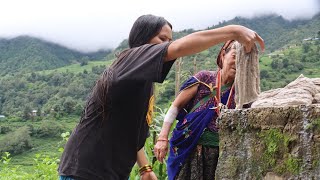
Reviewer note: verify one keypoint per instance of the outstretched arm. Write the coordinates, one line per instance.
(161, 148)
(202, 40)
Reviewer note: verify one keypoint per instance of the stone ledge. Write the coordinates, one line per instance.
(259, 142)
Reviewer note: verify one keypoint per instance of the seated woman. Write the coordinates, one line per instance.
(194, 145)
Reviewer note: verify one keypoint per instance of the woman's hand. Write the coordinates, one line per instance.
(149, 176)
(161, 149)
(247, 37)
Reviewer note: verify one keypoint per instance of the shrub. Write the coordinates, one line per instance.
(16, 142)
(49, 128)
(264, 74)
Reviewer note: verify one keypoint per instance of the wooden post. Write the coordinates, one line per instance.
(177, 77)
(195, 64)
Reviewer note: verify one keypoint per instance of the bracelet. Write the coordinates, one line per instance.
(163, 140)
(144, 169)
(142, 173)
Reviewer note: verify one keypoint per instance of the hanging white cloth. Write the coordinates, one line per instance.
(247, 80)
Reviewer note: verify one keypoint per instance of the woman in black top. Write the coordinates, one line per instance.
(113, 127)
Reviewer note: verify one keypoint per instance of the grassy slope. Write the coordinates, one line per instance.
(76, 68)
(311, 69)
(48, 146)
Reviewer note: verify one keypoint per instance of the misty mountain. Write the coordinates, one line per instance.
(277, 31)
(274, 29)
(27, 54)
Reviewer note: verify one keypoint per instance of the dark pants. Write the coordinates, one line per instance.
(200, 165)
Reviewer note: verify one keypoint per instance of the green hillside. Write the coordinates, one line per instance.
(78, 68)
(63, 90)
(281, 67)
(65, 87)
(26, 54)
(278, 32)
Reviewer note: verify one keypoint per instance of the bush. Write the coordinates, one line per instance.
(14, 119)
(264, 74)
(44, 167)
(4, 129)
(292, 69)
(48, 128)
(16, 142)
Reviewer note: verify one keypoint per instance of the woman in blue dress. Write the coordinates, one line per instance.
(194, 145)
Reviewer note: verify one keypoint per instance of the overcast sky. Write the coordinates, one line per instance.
(94, 24)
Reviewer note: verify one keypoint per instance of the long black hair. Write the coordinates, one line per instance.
(143, 30)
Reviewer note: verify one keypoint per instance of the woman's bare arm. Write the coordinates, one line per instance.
(202, 40)
(161, 148)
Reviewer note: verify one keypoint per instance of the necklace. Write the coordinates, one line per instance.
(219, 105)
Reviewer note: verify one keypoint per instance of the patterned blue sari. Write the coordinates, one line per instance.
(188, 130)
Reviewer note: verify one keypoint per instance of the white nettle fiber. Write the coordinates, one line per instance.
(302, 91)
(247, 80)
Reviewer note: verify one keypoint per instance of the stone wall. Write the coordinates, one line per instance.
(270, 143)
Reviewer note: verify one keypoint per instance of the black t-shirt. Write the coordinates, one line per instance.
(107, 149)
